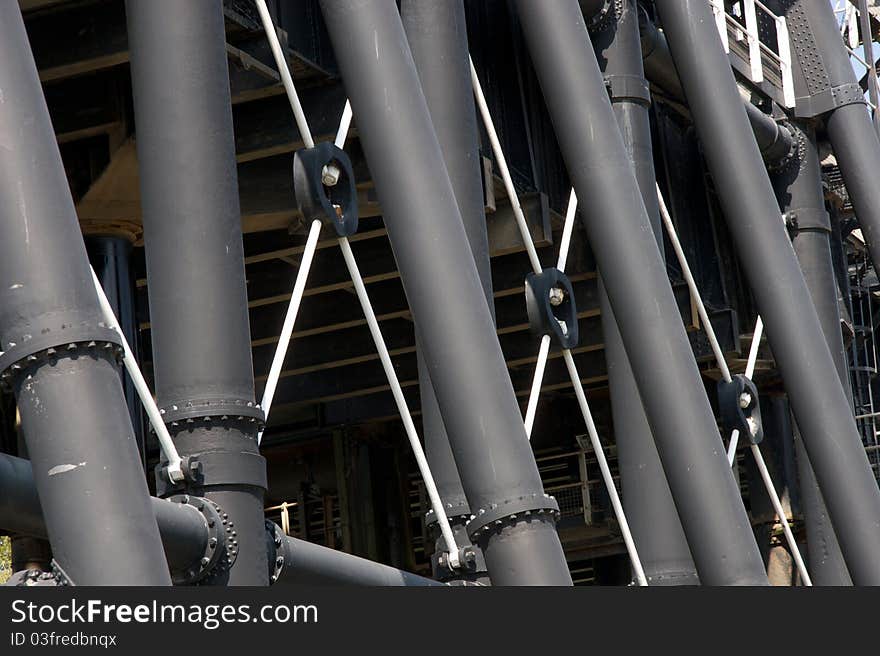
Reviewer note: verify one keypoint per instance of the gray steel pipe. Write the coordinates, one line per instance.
(195, 260)
(305, 563)
(20, 510)
(798, 188)
(437, 36)
(674, 398)
(73, 412)
(466, 365)
(185, 534)
(796, 338)
(774, 140)
(650, 510)
(182, 528)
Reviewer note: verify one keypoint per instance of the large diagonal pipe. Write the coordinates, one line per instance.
(437, 36)
(798, 187)
(195, 261)
(650, 509)
(773, 138)
(635, 278)
(55, 358)
(796, 338)
(513, 518)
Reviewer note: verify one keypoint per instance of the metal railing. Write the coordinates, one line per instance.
(767, 51)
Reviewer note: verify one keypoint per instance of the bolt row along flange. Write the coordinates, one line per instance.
(507, 513)
(49, 344)
(202, 410)
(221, 546)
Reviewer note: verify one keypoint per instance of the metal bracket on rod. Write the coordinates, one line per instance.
(324, 182)
(552, 313)
(752, 427)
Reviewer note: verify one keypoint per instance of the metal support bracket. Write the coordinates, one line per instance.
(470, 561)
(551, 308)
(740, 408)
(218, 468)
(324, 185)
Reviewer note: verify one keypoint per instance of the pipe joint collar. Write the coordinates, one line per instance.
(807, 219)
(217, 468)
(187, 412)
(628, 88)
(47, 345)
(829, 99)
(496, 516)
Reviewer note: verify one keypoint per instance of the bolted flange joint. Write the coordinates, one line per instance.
(48, 345)
(189, 413)
(275, 550)
(221, 547)
(324, 186)
(497, 516)
(454, 511)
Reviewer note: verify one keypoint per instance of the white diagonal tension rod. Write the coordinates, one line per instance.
(174, 468)
(725, 372)
(544, 349)
(360, 289)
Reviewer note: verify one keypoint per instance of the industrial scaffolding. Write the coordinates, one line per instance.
(439, 293)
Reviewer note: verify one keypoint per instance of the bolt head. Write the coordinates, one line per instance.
(330, 175)
(557, 296)
(745, 400)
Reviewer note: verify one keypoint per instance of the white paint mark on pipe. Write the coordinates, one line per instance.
(62, 469)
